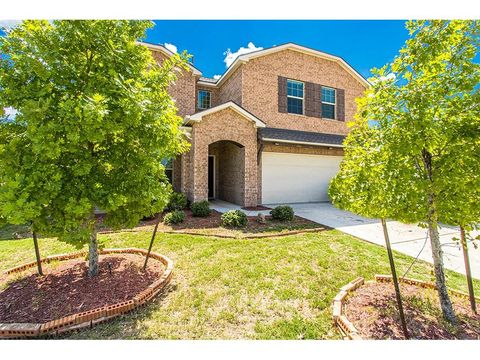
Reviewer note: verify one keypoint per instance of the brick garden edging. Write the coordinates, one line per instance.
(346, 327)
(92, 317)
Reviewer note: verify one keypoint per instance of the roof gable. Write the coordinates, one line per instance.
(242, 59)
(228, 105)
(168, 53)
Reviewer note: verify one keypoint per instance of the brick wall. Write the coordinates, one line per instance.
(260, 89)
(183, 90)
(225, 125)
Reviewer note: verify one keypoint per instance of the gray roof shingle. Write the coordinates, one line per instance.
(301, 136)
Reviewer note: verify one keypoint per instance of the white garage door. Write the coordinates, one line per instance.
(294, 178)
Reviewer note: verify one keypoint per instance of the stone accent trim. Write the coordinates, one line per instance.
(92, 317)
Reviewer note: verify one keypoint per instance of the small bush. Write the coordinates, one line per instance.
(201, 208)
(174, 217)
(234, 218)
(178, 201)
(283, 213)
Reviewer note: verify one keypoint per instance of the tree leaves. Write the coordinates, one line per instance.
(94, 121)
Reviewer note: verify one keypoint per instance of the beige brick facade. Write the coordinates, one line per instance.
(260, 89)
(232, 138)
(233, 131)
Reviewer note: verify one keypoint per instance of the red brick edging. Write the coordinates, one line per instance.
(92, 317)
(345, 326)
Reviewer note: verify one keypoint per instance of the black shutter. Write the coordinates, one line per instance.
(309, 99)
(282, 94)
(340, 105)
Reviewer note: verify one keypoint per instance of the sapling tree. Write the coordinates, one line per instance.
(367, 182)
(418, 102)
(94, 120)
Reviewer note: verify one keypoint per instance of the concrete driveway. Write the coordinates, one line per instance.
(407, 239)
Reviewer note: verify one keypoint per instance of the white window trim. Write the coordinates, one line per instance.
(297, 97)
(329, 103)
(209, 100)
(334, 91)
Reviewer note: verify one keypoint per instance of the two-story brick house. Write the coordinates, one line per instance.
(269, 130)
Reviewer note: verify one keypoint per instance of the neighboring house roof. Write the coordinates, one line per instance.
(301, 137)
(167, 52)
(290, 46)
(197, 117)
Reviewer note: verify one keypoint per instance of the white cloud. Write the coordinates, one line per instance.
(230, 57)
(171, 47)
(9, 24)
(216, 77)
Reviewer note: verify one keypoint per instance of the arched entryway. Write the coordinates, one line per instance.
(226, 171)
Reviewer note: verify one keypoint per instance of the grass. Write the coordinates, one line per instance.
(273, 288)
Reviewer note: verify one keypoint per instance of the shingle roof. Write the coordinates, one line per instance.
(301, 136)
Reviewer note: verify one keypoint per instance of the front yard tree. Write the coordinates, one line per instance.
(419, 102)
(366, 183)
(94, 122)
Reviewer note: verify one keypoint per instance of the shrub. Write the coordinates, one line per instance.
(174, 217)
(178, 201)
(200, 209)
(234, 218)
(283, 213)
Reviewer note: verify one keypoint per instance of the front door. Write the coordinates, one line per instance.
(211, 176)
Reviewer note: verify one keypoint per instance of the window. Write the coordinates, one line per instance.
(328, 103)
(295, 97)
(168, 165)
(204, 99)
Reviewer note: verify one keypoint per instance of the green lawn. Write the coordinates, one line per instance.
(279, 288)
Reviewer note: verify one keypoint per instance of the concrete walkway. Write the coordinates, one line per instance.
(223, 206)
(407, 239)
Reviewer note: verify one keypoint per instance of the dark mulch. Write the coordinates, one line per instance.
(372, 309)
(214, 221)
(66, 289)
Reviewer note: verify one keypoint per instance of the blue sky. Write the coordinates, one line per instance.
(364, 44)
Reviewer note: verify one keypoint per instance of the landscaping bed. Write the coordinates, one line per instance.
(212, 225)
(65, 289)
(372, 310)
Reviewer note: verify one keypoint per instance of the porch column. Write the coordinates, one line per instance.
(200, 172)
(250, 193)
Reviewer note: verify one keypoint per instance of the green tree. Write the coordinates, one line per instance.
(419, 102)
(366, 180)
(94, 122)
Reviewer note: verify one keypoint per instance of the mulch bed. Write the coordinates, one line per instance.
(214, 222)
(372, 309)
(66, 289)
(256, 208)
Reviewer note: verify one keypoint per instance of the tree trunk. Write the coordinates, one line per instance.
(151, 243)
(437, 254)
(93, 255)
(395, 279)
(468, 271)
(37, 253)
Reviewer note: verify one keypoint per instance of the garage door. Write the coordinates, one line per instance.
(294, 178)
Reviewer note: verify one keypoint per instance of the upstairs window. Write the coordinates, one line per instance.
(168, 165)
(328, 103)
(295, 97)
(204, 99)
